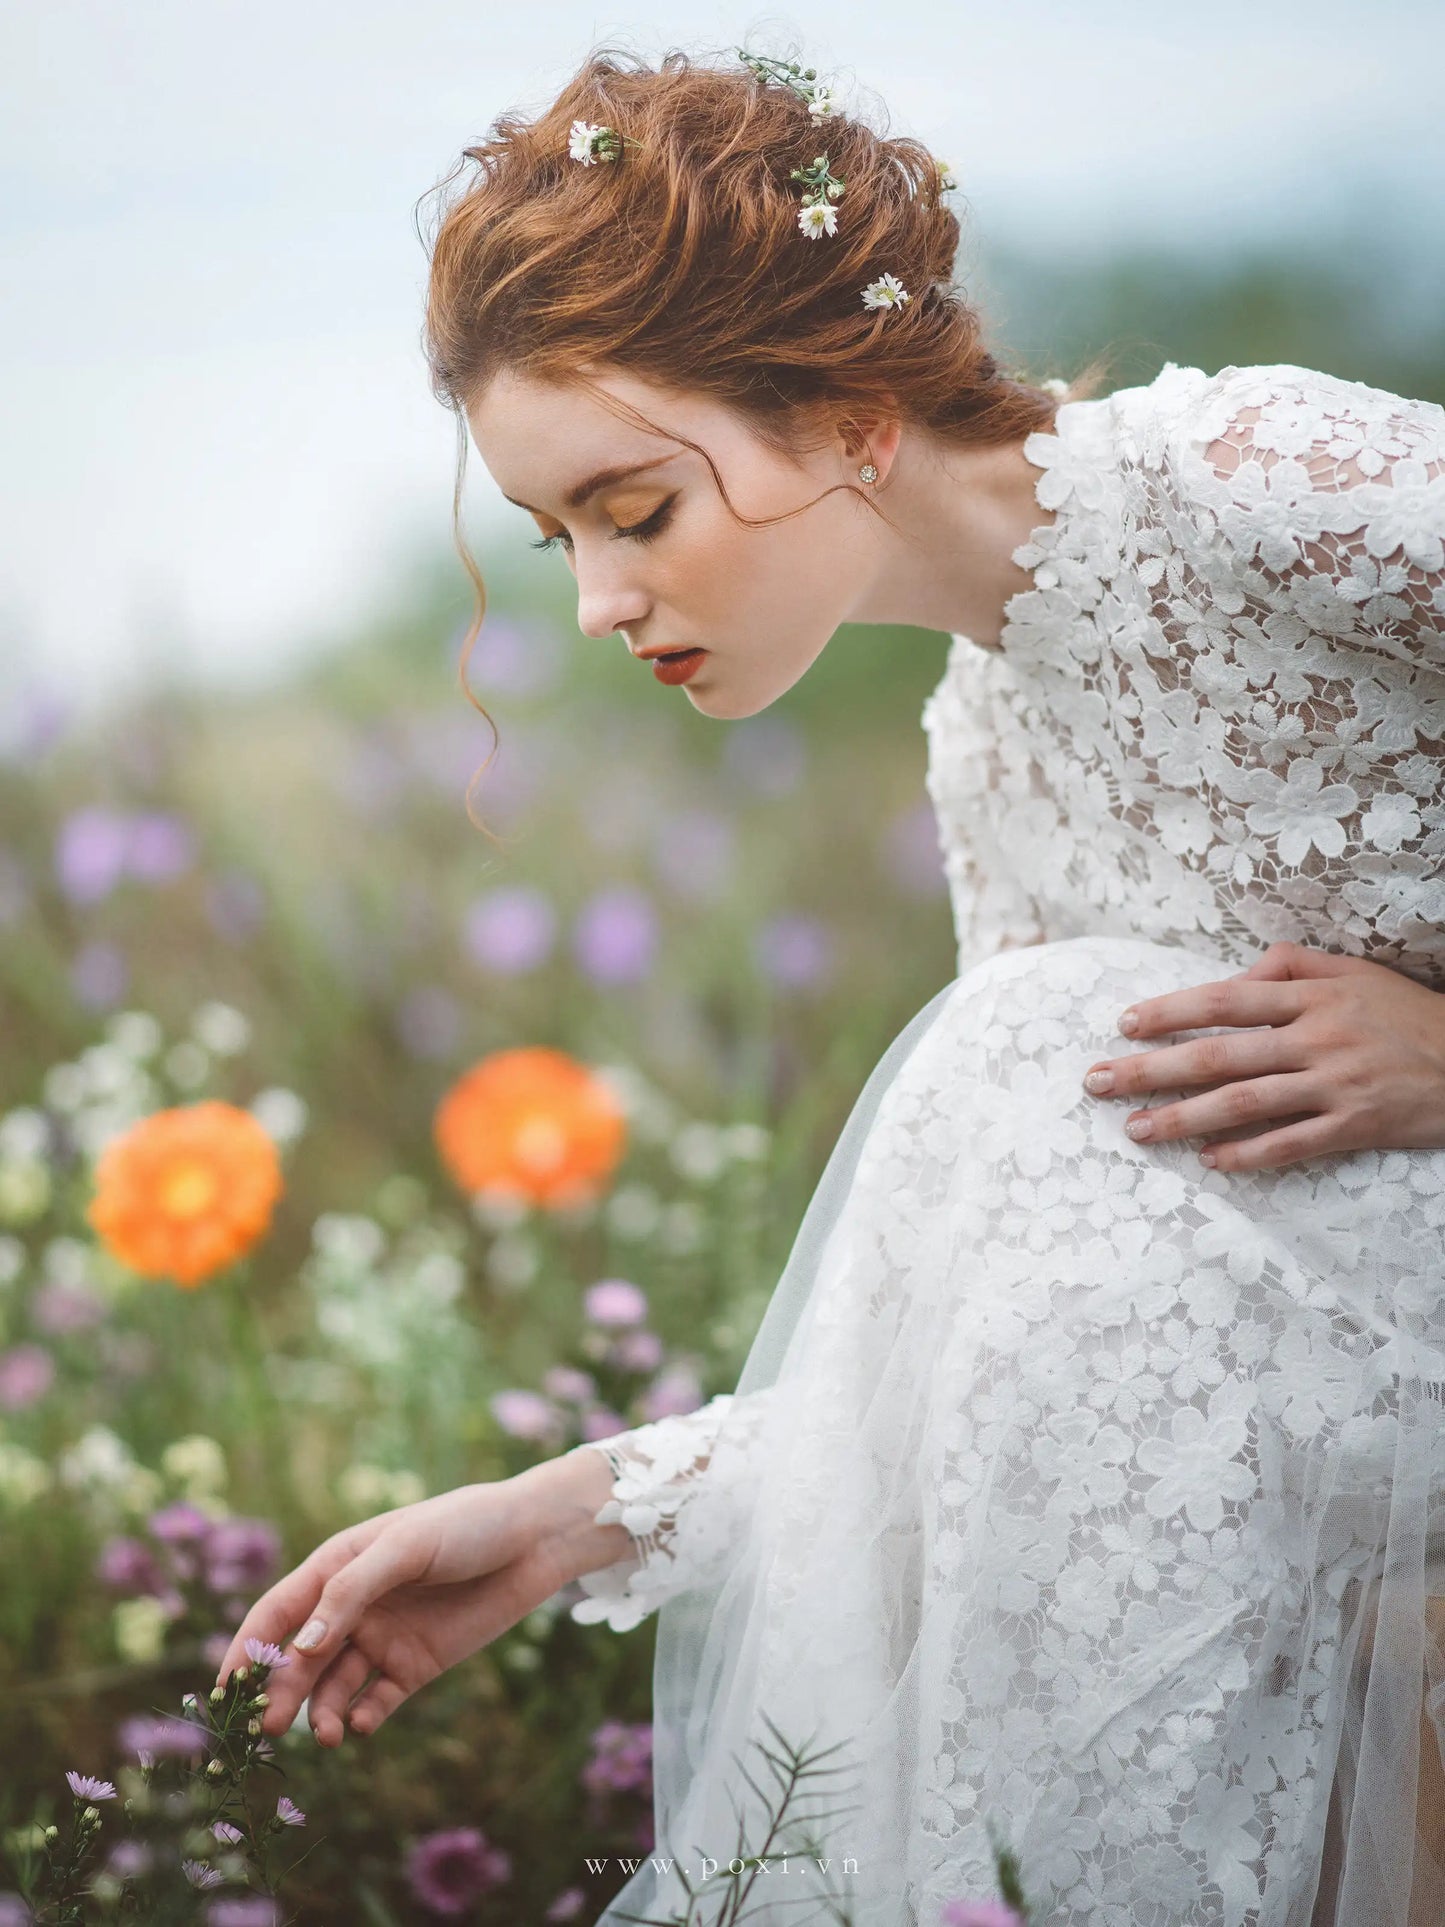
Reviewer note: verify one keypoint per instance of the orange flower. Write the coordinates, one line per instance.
(184, 1193)
(532, 1122)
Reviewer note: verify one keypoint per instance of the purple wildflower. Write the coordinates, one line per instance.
(235, 905)
(128, 1859)
(26, 1374)
(637, 1351)
(794, 950)
(673, 1391)
(90, 854)
(58, 1308)
(243, 1910)
(566, 1382)
(602, 1423)
(161, 1737)
(450, 1870)
(694, 851)
(200, 1875)
(85, 1788)
(511, 930)
(161, 847)
(911, 852)
(129, 1567)
(621, 1758)
(288, 1813)
(263, 1652)
(614, 1301)
(241, 1555)
(180, 1523)
(228, 1835)
(14, 1912)
(525, 1415)
(615, 936)
(567, 1905)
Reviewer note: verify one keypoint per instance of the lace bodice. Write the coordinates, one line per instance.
(1215, 719)
(1218, 716)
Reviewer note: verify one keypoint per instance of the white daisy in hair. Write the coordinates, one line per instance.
(581, 143)
(818, 217)
(823, 103)
(886, 292)
(945, 176)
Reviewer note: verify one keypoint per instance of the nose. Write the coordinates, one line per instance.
(606, 598)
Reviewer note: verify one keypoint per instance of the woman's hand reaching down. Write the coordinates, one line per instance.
(401, 1597)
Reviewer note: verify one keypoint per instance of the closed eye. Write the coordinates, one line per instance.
(640, 531)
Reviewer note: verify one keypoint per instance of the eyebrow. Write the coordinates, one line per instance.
(604, 478)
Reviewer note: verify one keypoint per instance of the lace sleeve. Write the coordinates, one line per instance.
(683, 1487)
(1330, 496)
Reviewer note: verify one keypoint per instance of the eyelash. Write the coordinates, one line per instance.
(643, 531)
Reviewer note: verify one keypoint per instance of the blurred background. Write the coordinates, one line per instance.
(236, 862)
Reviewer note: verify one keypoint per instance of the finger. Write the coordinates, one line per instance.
(1208, 1060)
(375, 1703)
(394, 1558)
(292, 1600)
(1310, 1138)
(1256, 1101)
(333, 1692)
(1233, 1000)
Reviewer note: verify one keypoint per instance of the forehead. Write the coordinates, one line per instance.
(539, 438)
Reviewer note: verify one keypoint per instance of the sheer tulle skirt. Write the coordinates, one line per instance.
(1088, 1482)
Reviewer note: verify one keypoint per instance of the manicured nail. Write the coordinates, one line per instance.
(1129, 1022)
(1138, 1127)
(311, 1634)
(1098, 1082)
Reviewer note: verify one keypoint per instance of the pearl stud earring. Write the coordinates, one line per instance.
(868, 473)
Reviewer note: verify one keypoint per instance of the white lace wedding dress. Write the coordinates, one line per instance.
(1065, 1474)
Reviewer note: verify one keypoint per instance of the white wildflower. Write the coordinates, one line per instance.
(823, 103)
(946, 178)
(588, 142)
(886, 292)
(281, 1114)
(187, 1064)
(222, 1028)
(135, 1033)
(24, 1134)
(816, 218)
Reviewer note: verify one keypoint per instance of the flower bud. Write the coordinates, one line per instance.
(241, 1672)
(52, 1833)
(216, 1769)
(218, 1693)
(260, 1699)
(253, 1727)
(91, 1816)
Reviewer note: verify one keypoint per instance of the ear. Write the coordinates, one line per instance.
(870, 438)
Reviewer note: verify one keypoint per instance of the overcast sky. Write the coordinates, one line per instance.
(218, 437)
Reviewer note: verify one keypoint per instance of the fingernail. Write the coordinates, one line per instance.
(1098, 1082)
(311, 1634)
(1138, 1127)
(1129, 1022)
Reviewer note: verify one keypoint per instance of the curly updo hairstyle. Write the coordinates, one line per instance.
(683, 262)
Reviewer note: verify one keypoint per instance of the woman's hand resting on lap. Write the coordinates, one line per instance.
(410, 1592)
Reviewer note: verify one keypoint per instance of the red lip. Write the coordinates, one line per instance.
(677, 666)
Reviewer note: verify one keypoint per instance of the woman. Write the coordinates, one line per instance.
(1070, 1483)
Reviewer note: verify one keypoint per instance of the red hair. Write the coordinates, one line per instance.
(682, 262)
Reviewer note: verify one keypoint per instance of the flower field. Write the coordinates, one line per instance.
(347, 1156)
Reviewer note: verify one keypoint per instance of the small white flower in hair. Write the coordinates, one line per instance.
(886, 292)
(588, 143)
(818, 217)
(945, 176)
(823, 103)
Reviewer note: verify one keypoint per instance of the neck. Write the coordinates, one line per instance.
(958, 514)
